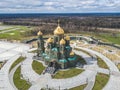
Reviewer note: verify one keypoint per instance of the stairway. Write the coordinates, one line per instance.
(50, 70)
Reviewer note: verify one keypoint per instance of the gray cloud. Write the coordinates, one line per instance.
(59, 5)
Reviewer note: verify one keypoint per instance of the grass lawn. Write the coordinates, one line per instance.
(1, 65)
(20, 59)
(81, 87)
(101, 81)
(16, 34)
(101, 63)
(108, 37)
(20, 83)
(68, 73)
(118, 66)
(37, 67)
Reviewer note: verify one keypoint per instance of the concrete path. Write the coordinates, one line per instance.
(26, 69)
(83, 78)
(64, 83)
(4, 75)
(12, 55)
(114, 81)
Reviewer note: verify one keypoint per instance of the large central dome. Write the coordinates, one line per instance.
(58, 30)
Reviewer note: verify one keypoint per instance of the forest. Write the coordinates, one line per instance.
(71, 24)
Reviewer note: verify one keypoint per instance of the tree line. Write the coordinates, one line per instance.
(70, 24)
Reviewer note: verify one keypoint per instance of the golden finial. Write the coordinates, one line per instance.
(58, 22)
(58, 30)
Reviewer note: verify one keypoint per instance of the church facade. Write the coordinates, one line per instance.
(56, 51)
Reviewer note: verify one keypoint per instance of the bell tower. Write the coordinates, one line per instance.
(40, 43)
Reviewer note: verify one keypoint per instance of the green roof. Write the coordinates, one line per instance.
(47, 58)
(68, 47)
(55, 49)
(72, 58)
(44, 54)
(63, 60)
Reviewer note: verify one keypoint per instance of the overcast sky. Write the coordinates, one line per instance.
(59, 6)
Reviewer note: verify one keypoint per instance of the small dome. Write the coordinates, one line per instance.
(39, 33)
(58, 31)
(72, 53)
(50, 40)
(67, 38)
(62, 42)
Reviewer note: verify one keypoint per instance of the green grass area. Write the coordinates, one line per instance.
(107, 37)
(16, 34)
(81, 87)
(118, 66)
(20, 83)
(68, 73)
(37, 67)
(101, 63)
(9, 28)
(1, 64)
(20, 59)
(101, 81)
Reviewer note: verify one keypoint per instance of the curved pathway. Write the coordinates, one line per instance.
(114, 81)
(6, 49)
(4, 74)
(83, 78)
(26, 69)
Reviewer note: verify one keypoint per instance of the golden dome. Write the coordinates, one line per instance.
(72, 53)
(39, 33)
(62, 41)
(58, 31)
(67, 38)
(50, 40)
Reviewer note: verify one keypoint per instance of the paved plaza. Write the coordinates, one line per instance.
(12, 51)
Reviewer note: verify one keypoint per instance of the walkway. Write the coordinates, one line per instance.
(114, 81)
(12, 54)
(26, 69)
(83, 78)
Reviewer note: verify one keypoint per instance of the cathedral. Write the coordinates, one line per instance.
(56, 51)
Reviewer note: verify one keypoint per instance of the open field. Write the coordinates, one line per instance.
(17, 33)
(13, 32)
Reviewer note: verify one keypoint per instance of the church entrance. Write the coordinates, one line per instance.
(52, 67)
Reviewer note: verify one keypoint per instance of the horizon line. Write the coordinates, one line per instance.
(60, 13)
